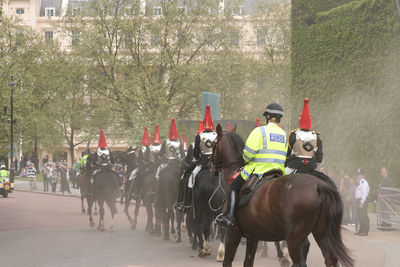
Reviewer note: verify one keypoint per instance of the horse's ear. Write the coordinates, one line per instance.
(219, 130)
(233, 130)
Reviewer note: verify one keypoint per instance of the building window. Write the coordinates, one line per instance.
(261, 36)
(48, 36)
(157, 11)
(49, 11)
(20, 11)
(75, 38)
(235, 37)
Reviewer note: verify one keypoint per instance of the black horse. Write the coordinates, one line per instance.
(101, 184)
(167, 194)
(83, 181)
(208, 198)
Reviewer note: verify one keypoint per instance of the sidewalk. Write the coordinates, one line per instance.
(20, 185)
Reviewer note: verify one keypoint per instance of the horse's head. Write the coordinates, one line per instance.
(224, 150)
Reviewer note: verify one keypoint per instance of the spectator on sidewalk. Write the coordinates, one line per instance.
(31, 174)
(54, 177)
(385, 181)
(361, 195)
(64, 184)
(72, 176)
(347, 196)
(45, 173)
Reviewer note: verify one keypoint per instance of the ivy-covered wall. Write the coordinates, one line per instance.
(345, 58)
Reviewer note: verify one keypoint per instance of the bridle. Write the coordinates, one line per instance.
(220, 166)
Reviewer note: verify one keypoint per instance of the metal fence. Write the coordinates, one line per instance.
(388, 215)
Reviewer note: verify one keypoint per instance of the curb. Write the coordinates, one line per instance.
(47, 193)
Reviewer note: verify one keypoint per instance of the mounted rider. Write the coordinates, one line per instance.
(265, 150)
(305, 148)
(83, 161)
(141, 155)
(202, 151)
(103, 153)
(171, 149)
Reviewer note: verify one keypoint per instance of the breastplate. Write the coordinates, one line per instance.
(306, 144)
(207, 140)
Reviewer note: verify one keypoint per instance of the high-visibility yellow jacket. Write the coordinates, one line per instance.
(4, 174)
(265, 150)
(83, 161)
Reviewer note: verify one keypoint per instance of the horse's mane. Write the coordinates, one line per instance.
(238, 143)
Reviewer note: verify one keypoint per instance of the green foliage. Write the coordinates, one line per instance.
(345, 58)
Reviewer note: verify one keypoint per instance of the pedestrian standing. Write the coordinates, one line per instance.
(31, 174)
(54, 177)
(45, 173)
(361, 195)
(64, 184)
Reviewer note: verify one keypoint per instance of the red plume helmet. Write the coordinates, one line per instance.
(258, 122)
(146, 137)
(305, 118)
(184, 142)
(102, 140)
(228, 126)
(173, 132)
(156, 140)
(200, 129)
(208, 123)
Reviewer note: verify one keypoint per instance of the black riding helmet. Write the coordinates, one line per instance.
(274, 110)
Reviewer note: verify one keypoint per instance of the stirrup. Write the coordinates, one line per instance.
(224, 220)
(177, 205)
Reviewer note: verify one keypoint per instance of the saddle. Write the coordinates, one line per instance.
(253, 183)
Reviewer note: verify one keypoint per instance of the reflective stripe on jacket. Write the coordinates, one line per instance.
(83, 161)
(4, 174)
(265, 150)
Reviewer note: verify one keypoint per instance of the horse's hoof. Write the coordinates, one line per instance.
(91, 224)
(284, 262)
(207, 251)
(174, 236)
(179, 240)
(100, 228)
(112, 229)
(83, 211)
(95, 213)
(133, 226)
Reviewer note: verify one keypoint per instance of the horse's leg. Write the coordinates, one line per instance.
(221, 247)
(199, 235)
(283, 253)
(95, 208)
(89, 211)
(101, 210)
(112, 204)
(207, 234)
(251, 249)
(306, 248)
(323, 243)
(83, 210)
(150, 215)
(126, 211)
(264, 248)
(295, 246)
(172, 221)
(179, 219)
(137, 206)
(232, 240)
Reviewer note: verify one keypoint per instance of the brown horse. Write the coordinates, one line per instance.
(287, 208)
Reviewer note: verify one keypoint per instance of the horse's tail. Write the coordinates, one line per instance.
(333, 205)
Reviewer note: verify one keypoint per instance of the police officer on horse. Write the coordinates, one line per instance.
(265, 150)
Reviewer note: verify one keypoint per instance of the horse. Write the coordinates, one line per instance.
(104, 188)
(131, 165)
(167, 194)
(83, 182)
(208, 197)
(286, 208)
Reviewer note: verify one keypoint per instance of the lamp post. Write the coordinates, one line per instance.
(12, 85)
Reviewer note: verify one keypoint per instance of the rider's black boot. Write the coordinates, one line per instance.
(179, 202)
(227, 220)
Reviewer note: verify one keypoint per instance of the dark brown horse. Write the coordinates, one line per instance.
(287, 208)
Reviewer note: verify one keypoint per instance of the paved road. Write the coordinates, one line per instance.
(49, 230)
